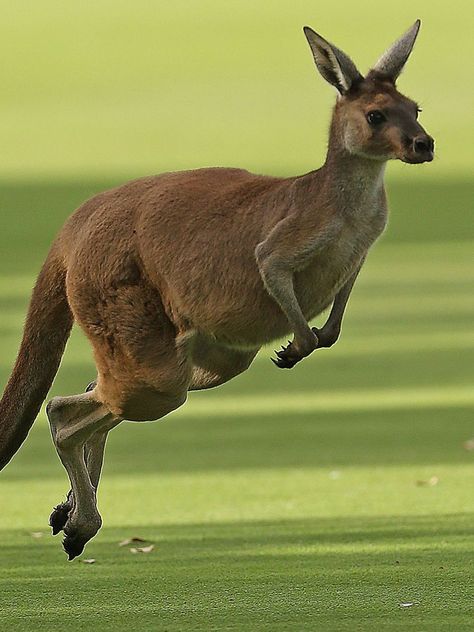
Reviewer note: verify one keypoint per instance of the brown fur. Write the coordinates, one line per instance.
(47, 328)
(177, 280)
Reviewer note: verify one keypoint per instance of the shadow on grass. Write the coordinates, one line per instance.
(319, 440)
(224, 539)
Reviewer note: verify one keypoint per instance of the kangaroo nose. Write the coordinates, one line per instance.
(423, 144)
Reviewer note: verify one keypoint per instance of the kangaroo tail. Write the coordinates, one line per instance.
(47, 328)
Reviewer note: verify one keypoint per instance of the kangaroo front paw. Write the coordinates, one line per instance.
(287, 357)
(326, 336)
(295, 351)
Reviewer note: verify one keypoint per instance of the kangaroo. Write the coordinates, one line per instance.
(177, 280)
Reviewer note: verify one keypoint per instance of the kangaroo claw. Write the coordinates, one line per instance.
(286, 358)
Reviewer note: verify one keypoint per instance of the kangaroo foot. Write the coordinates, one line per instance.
(78, 535)
(60, 514)
(74, 544)
(58, 518)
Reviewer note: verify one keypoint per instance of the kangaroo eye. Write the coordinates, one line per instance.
(376, 117)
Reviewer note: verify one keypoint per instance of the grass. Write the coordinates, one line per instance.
(295, 500)
(316, 499)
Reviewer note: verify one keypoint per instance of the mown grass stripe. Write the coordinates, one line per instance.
(367, 399)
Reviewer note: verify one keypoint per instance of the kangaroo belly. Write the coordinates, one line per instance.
(232, 305)
(238, 312)
(241, 313)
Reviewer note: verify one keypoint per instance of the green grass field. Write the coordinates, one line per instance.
(322, 498)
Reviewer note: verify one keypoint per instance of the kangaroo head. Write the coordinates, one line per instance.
(371, 118)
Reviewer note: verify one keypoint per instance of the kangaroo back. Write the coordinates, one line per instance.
(46, 331)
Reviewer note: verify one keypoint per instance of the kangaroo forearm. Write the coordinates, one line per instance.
(330, 331)
(278, 257)
(279, 284)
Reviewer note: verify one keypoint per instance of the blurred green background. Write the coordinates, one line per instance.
(118, 87)
(320, 498)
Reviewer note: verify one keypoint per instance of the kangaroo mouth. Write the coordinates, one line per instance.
(418, 159)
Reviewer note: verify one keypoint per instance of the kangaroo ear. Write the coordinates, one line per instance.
(392, 61)
(334, 65)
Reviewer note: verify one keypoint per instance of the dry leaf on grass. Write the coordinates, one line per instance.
(131, 541)
(431, 482)
(142, 549)
(88, 561)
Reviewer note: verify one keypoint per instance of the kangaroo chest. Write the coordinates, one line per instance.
(329, 267)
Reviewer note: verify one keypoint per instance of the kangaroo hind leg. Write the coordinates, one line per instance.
(94, 456)
(74, 421)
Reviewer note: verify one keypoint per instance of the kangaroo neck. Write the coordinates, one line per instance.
(352, 180)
